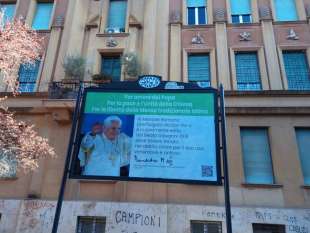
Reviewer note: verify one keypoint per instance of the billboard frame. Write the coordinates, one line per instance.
(222, 148)
(123, 87)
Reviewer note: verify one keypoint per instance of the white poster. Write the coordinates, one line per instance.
(174, 147)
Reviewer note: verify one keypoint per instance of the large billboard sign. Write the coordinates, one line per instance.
(148, 135)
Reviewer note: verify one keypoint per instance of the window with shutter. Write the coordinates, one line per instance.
(241, 11)
(247, 71)
(42, 17)
(206, 227)
(111, 66)
(268, 228)
(117, 16)
(91, 225)
(256, 156)
(286, 10)
(303, 139)
(199, 68)
(8, 165)
(196, 12)
(27, 76)
(297, 70)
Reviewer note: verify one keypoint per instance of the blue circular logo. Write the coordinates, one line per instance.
(149, 81)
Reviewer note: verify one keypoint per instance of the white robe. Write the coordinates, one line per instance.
(102, 157)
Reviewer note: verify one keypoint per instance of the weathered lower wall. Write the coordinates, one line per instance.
(37, 216)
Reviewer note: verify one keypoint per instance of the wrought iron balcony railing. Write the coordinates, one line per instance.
(69, 89)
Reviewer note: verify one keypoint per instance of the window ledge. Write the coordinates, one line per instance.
(197, 26)
(8, 178)
(243, 24)
(98, 181)
(43, 31)
(250, 185)
(269, 93)
(305, 186)
(122, 34)
(25, 94)
(135, 25)
(290, 22)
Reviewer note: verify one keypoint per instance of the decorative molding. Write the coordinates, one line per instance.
(61, 116)
(267, 186)
(93, 22)
(135, 25)
(90, 26)
(307, 8)
(111, 42)
(264, 12)
(175, 17)
(198, 39)
(245, 36)
(133, 22)
(243, 110)
(122, 34)
(220, 15)
(269, 93)
(292, 35)
(59, 21)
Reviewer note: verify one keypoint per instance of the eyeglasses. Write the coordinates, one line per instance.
(115, 128)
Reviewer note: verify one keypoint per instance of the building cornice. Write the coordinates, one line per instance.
(269, 93)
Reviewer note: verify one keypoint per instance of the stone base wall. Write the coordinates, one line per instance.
(36, 216)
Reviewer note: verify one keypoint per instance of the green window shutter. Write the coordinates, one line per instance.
(199, 68)
(112, 66)
(27, 76)
(247, 71)
(256, 156)
(303, 141)
(117, 14)
(297, 70)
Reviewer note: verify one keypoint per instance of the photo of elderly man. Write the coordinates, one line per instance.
(105, 150)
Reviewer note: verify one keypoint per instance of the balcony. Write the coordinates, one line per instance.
(69, 89)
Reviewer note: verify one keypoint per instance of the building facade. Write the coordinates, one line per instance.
(258, 49)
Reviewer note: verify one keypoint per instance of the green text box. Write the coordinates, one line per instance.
(127, 103)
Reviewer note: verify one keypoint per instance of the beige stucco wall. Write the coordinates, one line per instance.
(36, 217)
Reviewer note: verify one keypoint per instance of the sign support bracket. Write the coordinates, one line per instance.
(225, 161)
(67, 162)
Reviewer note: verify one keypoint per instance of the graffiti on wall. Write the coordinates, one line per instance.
(136, 219)
(293, 222)
(36, 216)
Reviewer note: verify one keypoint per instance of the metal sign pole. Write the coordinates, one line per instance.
(67, 162)
(225, 161)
